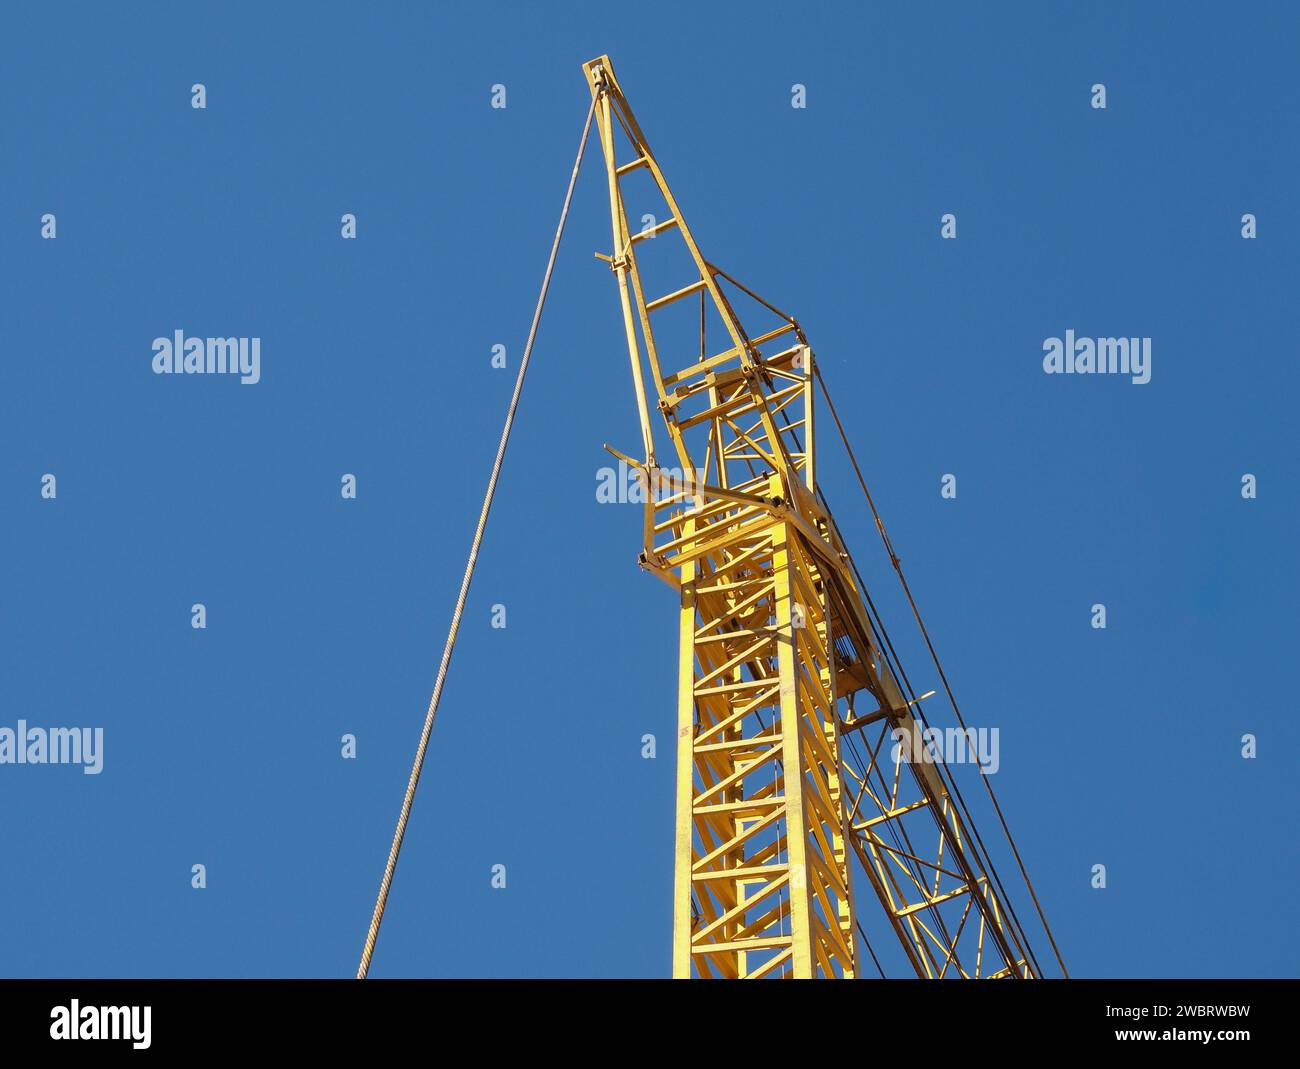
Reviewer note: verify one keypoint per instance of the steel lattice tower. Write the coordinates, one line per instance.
(777, 649)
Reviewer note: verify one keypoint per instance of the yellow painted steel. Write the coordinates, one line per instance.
(775, 796)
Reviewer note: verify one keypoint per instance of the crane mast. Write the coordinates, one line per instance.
(789, 784)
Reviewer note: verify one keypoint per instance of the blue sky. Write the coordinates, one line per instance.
(1119, 747)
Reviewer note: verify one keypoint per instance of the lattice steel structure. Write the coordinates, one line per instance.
(778, 653)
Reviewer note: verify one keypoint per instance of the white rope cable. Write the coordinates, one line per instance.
(381, 902)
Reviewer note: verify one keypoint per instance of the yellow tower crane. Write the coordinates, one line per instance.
(777, 646)
(800, 759)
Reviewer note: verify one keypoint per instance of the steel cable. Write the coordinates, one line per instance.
(381, 902)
